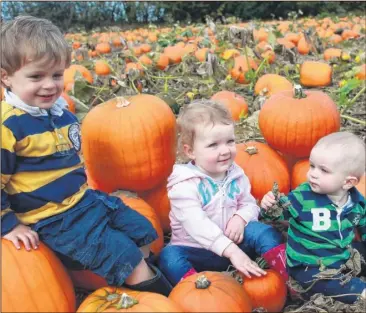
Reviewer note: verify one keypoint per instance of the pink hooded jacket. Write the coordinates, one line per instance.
(200, 208)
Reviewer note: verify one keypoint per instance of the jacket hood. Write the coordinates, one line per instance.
(182, 172)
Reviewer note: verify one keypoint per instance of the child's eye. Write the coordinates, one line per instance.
(231, 141)
(212, 145)
(35, 76)
(312, 166)
(58, 75)
(324, 170)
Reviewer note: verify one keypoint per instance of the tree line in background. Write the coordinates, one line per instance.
(86, 15)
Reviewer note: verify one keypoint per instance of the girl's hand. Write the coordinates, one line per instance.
(25, 234)
(235, 229)
(268, 200)
(242, 262)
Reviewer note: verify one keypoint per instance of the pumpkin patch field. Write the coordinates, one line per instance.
(287, 83)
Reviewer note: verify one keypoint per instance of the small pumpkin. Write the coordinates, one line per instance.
(299, 171)
(268, 291)
(315, 74)
(113, 299)
(263, 166)
(103, 48)
(69, 101)
(34, 281)
(71, 71)
(236, 104)
(292, 122)
(269, 84)
(210, 292)
(241, 66)
(102, 68)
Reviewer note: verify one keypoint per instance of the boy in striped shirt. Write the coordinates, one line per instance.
(323, 215)
(44, 191)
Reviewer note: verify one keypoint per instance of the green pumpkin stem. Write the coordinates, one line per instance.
(251, 150)
(202, 282)
(298, 92)
(126, 302)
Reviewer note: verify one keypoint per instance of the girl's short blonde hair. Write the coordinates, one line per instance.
(200, 112)
(351, 151)
(27, 38)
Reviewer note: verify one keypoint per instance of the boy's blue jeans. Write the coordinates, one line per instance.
(332, 287)
(175, 261)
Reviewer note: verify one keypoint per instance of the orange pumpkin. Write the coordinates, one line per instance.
(361, 72)
(235, 103)
(113, 299)
(102, 68)
(269, 84)
(162, 62)
(103, 48)
(241, 67)
(158, 199)
(315, 74)
(70, 72)
(87, 279)
(268, 292)
(129, 143)
(34, 281)
(303, 47)
(332, 53)
(299, 171)
(210, 292)
(293, 124)
(69, 101)
(263, 166)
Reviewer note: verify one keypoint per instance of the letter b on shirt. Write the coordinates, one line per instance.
(321, 219)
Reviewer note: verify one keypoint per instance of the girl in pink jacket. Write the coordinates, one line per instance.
(214, 218)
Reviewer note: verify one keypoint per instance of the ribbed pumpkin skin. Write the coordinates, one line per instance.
(263, 168)
(224, 294)
(299, 171)
(158, 199)
(235, 103)
(293, 126)
(132, 147)
(147, 301)
(268, 292)
(34, 281)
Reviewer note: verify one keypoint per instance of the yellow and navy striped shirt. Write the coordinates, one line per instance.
(42, 172)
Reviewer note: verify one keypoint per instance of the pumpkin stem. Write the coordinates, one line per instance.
(298, 92)
(122, 102)
(202, 282)
(251, 150)
(126, 302)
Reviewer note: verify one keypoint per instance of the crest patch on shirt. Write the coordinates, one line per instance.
(74, 136)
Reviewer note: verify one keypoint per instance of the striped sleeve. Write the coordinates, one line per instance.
(8, 158)
(362, 228)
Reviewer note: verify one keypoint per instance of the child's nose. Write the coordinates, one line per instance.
(49, 83)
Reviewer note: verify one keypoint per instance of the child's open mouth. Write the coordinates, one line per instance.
(46, 97)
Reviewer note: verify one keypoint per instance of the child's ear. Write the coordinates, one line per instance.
(188, 151)
(5, 78)
(350, 182)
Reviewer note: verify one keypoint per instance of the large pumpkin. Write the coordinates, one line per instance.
(158, 199)
(268, 291)
(34, 281)
(263, 166)
(293, 124)
(112, 299)
(129, 143)
(235, 103)
(210, 292)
